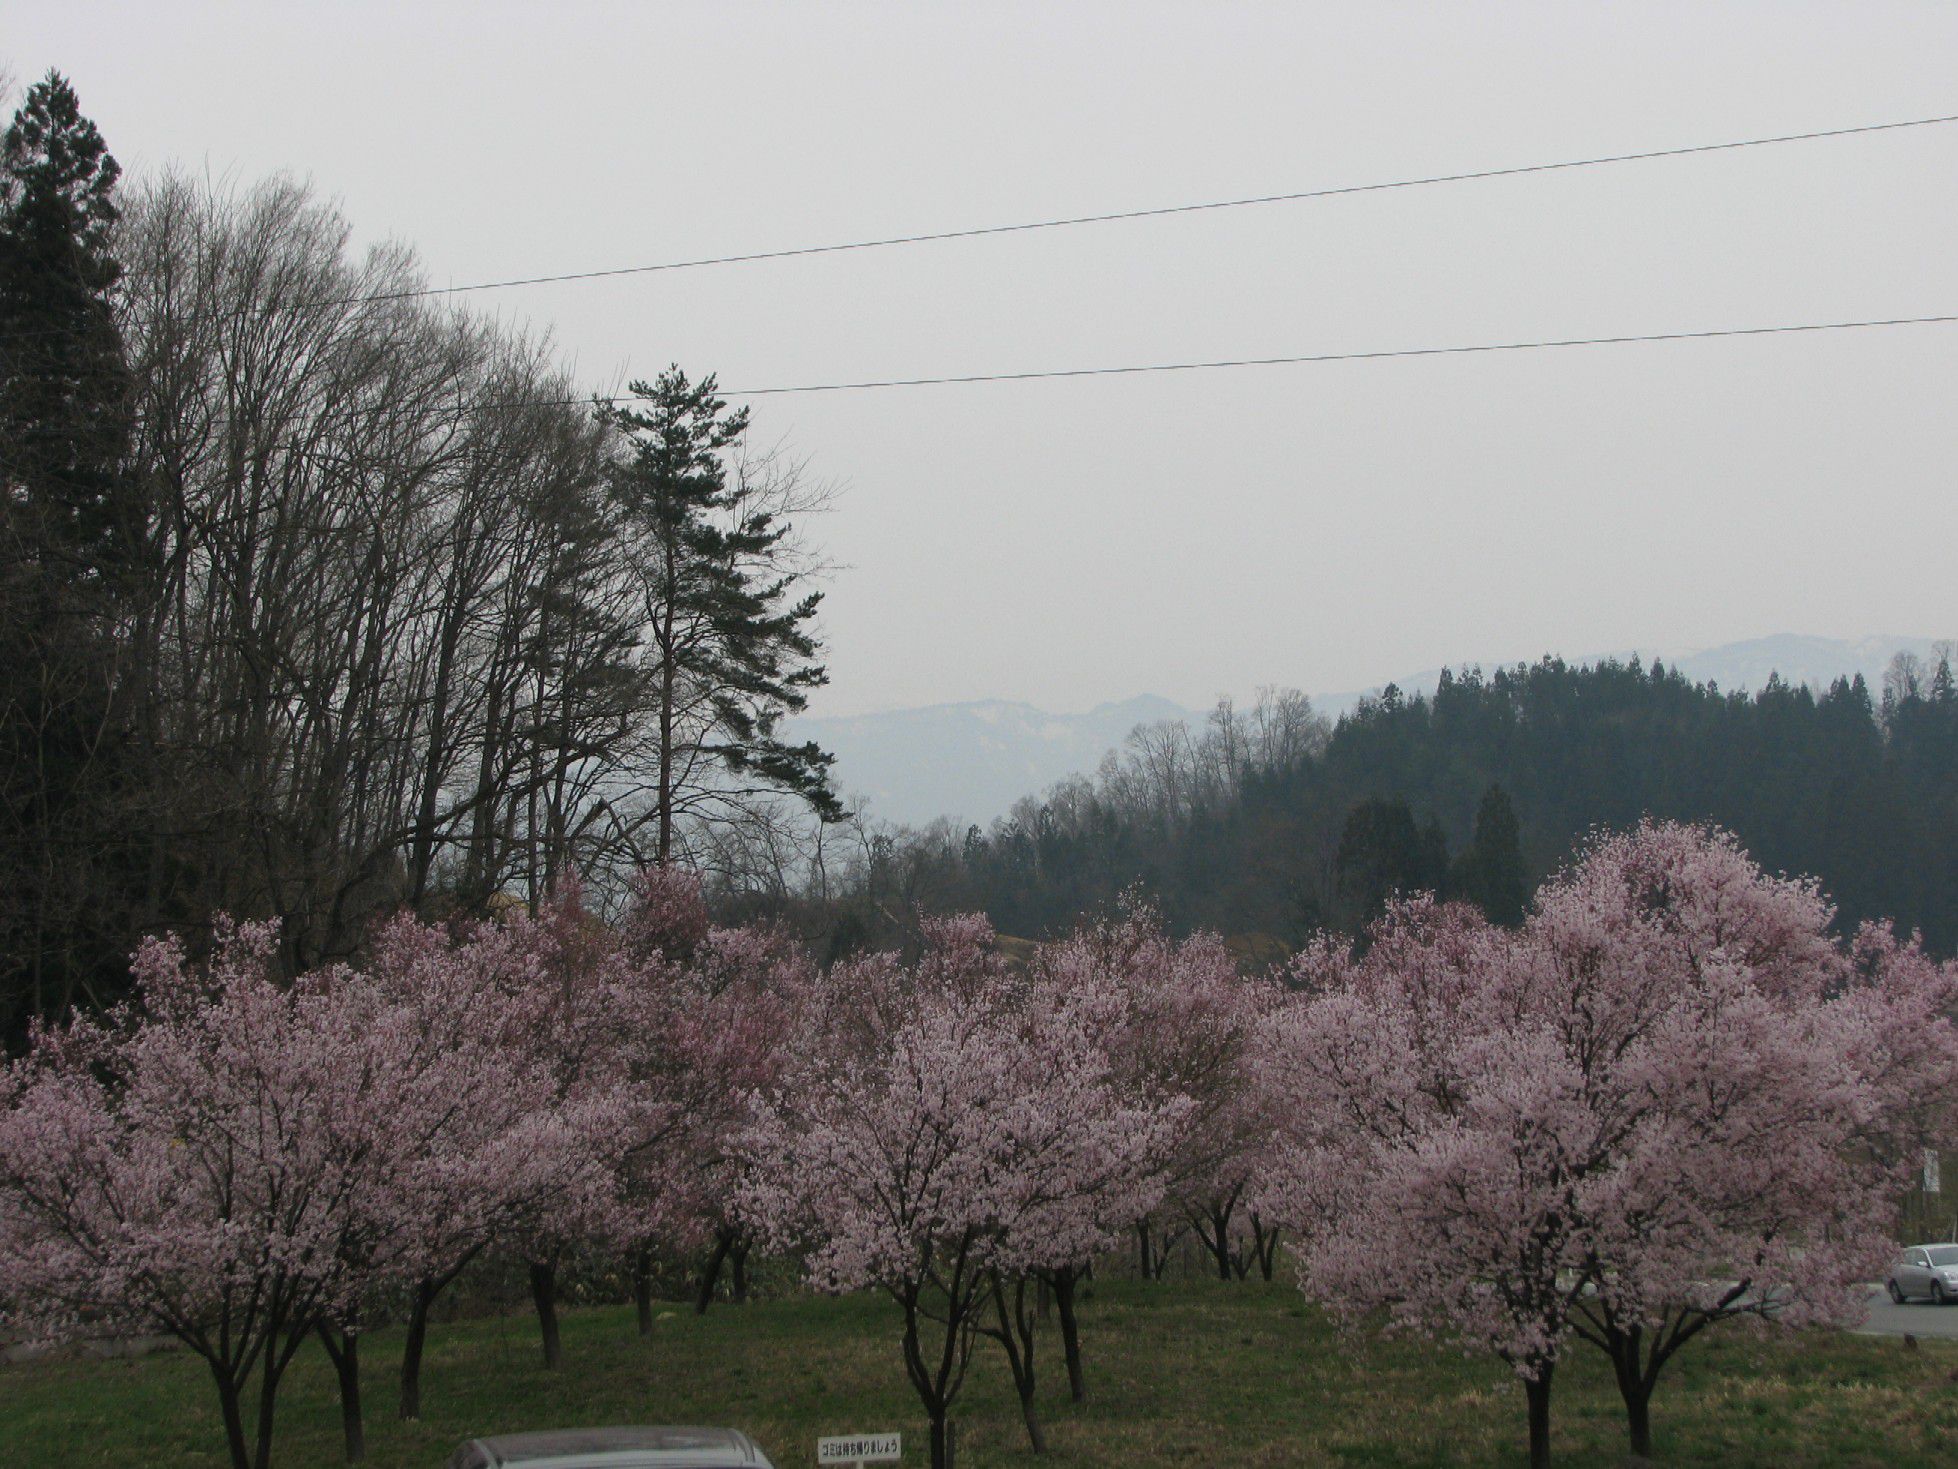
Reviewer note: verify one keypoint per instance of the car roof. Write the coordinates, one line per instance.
(625, 1448)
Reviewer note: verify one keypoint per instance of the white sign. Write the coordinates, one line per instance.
(1931, 1179)
(861, 1448)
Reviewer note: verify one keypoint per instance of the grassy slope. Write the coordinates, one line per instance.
(1179, 1373)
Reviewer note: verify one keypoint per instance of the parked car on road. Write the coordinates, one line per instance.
(614, 1448)
(1925, 1270)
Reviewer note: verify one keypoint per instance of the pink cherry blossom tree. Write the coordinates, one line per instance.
(493, 1145)
(599, 1027)
(711, 1010)
(1100, 1163)
(739, 999)
(1180, 1021)
(1792, 1081)
(1432, 1147)
(195, 1166)
(942, 1134)
(1670, 1100)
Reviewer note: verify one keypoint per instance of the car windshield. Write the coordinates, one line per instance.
(1943, 1254)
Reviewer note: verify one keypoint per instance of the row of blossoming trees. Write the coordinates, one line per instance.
(1672, 1097)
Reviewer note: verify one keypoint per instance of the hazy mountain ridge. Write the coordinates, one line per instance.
(971, 761)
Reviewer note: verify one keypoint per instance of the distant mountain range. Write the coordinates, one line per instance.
(970, 762)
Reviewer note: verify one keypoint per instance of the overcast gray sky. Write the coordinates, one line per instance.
(1326, 526)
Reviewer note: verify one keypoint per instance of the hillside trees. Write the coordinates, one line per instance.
(1382, 854)
(385, 646)
(1825, 781)
(339, 599)
(1166, 811)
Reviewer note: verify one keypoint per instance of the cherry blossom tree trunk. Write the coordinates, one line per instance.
(272, 1367)
(1625, 1346)
(1142, 1258)
(1015, 1332)
(1536, 1392)
(710, 1275)
(1638, 1418)
(1218, 1237)
(1159, 1267)
(1639, 1354)
(268, 1401)
(642, 1288)
(937, 1373)
(343, 1350)
(738, 1263)
(1213, 1227)
(1264, 1245)
(543, 1291)
(234, 1418)
(1064, 1282)
(411, 1352)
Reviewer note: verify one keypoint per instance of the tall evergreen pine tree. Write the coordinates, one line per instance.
(1491, 873)
(64, 387)
(70, 518)
(729, 630)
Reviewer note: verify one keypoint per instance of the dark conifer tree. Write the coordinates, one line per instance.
(730, 631)
(1381, 853)
(1430, 874)
(70, 520)
(1491, 873)
(64, 387)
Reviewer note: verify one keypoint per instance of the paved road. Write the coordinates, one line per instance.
(1919, 1318)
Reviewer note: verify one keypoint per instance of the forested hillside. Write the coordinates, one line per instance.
(321, 596)
(1251, 834)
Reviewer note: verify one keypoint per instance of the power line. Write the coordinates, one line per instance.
(1373, 356)
(1067, 221)
(463, 408)
(467, 410)
(1160, 212)
(1210, 365)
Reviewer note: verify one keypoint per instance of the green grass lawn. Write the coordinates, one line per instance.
(1179, 1373)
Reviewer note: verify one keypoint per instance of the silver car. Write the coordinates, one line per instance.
(1925, 1270)
(614, 1448)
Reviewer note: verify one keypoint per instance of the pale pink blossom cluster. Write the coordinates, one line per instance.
(1671, 1098)
(952, 1130)
(243, 1161)
(1180, 1020)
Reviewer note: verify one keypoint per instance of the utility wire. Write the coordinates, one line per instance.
(1074, 221)
(463, 408)
(1120, 216)
(1373, 356)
